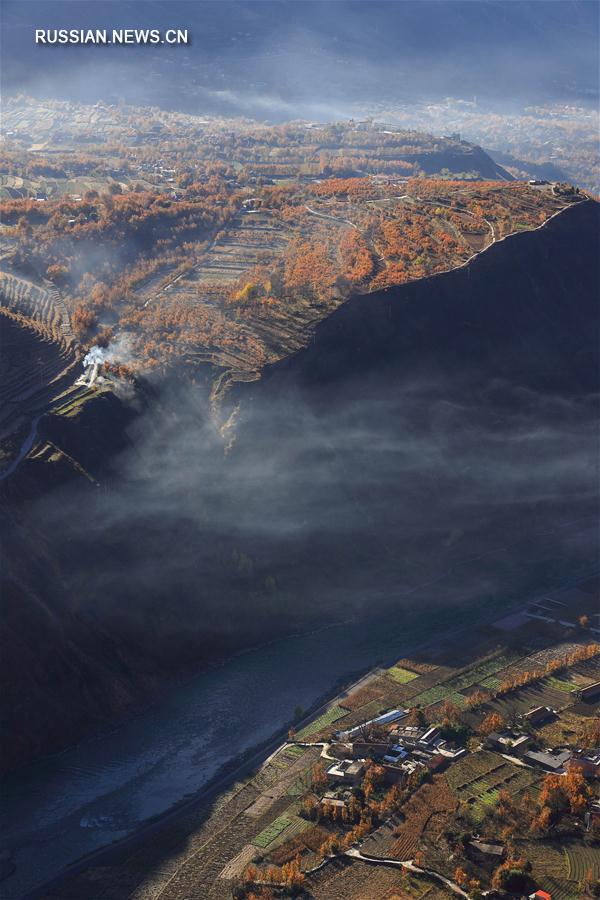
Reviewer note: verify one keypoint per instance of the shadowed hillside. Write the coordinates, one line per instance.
(436, 442)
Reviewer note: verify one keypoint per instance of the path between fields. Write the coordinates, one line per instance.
(354, 853)
(321, 215)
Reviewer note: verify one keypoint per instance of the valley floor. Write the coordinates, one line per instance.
(273, 826)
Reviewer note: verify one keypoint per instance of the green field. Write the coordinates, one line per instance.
(400, 675)
(438, 693)
(492, 683)
(295, 751)
(483, 674)
(271, 832)
(330, 716)
(561, 684)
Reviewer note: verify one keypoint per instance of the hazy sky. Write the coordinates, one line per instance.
(282, 59)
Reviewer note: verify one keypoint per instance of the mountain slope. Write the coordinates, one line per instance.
(435, 442)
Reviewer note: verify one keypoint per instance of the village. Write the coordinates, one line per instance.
(484, 781)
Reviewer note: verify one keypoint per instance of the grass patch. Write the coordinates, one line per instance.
(295, 750)
(271, 832)
(400, 675)
(492, 683)
(561, 684)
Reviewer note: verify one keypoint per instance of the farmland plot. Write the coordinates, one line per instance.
(427, 801)
(331, 715)
(356, 880)
(582, 860)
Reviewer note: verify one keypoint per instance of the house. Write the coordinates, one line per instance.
(396, 754)
(429, 737)
(342, 751)
(331, 799)
(508, 741)
(347, 771)
(551, 760)
(589, 693)
(540, 895)
(410, 735)
(385, 719)
(436, 762)
(410, 766)
(448, 750)
(538, 714)
(488, 849)
(397, 773)
(586, 761)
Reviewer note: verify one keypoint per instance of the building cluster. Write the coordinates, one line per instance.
(402, 750)
(521, 743)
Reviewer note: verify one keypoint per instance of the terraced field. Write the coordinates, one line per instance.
(356, 880)
(582, 861)
(43, 305)
(271, 832)
(38, 363)
(427, 801)
(35, 371)
(479, 777)
(559, 867)
(452, 689)
(519, 701)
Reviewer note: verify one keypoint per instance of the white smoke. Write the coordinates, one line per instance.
(119, 351)
(96, 356)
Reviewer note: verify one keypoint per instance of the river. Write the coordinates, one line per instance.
(69, 804)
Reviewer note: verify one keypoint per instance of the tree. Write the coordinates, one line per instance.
(318, 777)
(416, 718)
(291, 874)
(82, 319)
(311, 808)
(543, 821)
(460, 876)
(374, 776)
(492, 722)
(561, 794)
(513, 876)
(57, 273)
(577, 791)
(450, 714)
(589, 734)
(478, 698)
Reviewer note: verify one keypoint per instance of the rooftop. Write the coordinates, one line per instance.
(549, 759)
